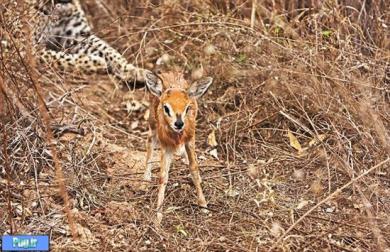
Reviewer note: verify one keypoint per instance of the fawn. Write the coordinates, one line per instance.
(172, 120)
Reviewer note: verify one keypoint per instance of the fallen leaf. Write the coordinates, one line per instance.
(316, 187)
(299, 174)
(172, 209)
(219, 122)
(214, 153)
(149, 51)
(231, 192)
(302, 204)
(326, 33)
(253, 171)
(276, 229)
(134, 125)
(209, 49)
(294, 141)
(330, 209)
(146, 115)
(222, 238)
(180, 230)
(317, 140)
(164, 59)
(185, 187)
(211, 140)
(168, 41)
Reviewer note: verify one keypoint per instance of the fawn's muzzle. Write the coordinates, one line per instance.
(179, 124)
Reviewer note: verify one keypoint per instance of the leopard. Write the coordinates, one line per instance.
(62, 36)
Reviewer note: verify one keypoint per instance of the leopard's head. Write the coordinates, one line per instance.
(57, 8)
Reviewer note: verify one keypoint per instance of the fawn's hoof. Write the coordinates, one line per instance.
(144, 186)
(147, 179)
(204, 210)
(185, 161)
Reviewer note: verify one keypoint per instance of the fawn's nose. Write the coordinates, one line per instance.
(179, 124)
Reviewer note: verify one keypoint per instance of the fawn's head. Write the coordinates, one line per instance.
(177, 99)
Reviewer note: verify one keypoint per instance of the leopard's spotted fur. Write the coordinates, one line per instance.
(64, 37)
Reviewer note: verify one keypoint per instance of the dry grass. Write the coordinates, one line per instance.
(316, 74)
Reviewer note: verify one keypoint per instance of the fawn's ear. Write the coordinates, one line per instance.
(154, 83)
(199, 87)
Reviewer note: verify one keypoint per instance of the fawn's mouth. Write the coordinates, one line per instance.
(177, 130)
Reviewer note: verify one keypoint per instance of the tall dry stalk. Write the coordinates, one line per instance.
(32, 72)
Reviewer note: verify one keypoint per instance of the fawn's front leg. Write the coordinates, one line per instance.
(166, 159)
(194, 169)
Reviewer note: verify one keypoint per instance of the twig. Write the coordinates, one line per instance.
(373, 224)
(257, 123)
(89, 147)
(253, 13)
(296, 121)
(31, 70)
(325, 200)
(10, 94)
(60, 130)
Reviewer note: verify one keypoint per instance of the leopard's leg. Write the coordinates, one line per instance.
(120, 67)
(59, 59)
(124, 70)
(79, 62)
(132, 74)
(74, 61)
(94, 55)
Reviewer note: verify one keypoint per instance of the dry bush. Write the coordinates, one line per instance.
(310, 72)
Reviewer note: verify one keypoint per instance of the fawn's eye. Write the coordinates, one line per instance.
(188, 109)
(166, 110)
